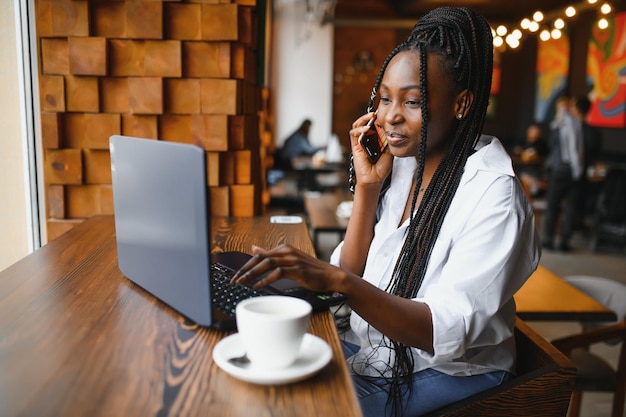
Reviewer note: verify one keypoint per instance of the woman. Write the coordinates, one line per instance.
(431, 259)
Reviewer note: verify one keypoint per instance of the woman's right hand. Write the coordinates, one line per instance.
(366, 172)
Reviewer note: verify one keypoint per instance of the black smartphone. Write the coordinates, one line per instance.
(374, 141)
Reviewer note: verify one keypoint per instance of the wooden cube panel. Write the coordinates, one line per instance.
(206, 59)
(82, 94)
(98, 128)
(220, 96)
(220, 22)
(242, 200)
(210, 132)
(52, 93)
(227, 168)
(144, 19)
(219, 198)
(126, 58)
(163, 59)
(240, 61)
(114, 95)
(236, 132)
(50, 130)
(202, 74)
(251, 98)
(140, 126)
(246, 25)
(213, 169)
(55, 56)
(82, 201)
(182, 96)
(74, 128)
(109, 19)
(145, 95)
(88, 56)
(63, 166)
(57, 227)
(55, 195)
(243, 167)
(176, 128)
(97, 167)
(62, 18)
(183, 21)
(106, 199)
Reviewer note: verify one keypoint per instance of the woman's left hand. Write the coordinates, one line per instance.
(285, 261)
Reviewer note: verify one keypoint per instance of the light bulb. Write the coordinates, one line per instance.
(544, 35)
(559, 23)
(570, 11)
(538, 16)
(605, 8)
(556, 34)
(501, 30)
(525, 23)
(603, 23)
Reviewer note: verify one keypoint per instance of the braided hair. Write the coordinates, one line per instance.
(462, 40)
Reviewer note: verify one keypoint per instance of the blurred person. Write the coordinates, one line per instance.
(565, 166)
(296, 145)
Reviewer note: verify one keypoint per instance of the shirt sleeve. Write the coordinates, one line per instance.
(488, 260)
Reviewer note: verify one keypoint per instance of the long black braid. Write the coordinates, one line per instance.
(463, 41)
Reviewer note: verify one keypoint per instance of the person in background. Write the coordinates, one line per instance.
(532, 157)
(430, 263)
(565, 165)
(297, 144)
(592, 145)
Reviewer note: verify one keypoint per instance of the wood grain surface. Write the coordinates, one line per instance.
(79, 339)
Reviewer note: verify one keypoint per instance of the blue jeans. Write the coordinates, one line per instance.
(431, 389)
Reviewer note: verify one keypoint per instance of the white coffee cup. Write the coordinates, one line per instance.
(272, 329)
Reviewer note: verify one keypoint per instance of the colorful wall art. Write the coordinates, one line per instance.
(606, 73)
(552, 73)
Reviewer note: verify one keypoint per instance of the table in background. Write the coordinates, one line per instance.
(548, 297)
(79, 339)
(321, 209)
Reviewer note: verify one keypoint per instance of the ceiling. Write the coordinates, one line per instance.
(495, 11)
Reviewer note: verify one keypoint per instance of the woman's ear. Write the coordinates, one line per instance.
(463, 103)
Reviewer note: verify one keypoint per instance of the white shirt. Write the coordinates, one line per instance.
(486, 249)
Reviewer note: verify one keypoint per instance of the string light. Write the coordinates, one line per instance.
(504, 35)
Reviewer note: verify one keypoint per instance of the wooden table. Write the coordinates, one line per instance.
(79, 339)
(548, 297)
(321, 209)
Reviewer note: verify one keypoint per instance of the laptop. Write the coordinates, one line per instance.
(161, 206)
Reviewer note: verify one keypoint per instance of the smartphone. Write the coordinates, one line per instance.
(374, 141)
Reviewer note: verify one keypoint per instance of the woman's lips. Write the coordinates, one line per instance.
(395, 139)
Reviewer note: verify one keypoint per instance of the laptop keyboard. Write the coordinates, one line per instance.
(226, 296)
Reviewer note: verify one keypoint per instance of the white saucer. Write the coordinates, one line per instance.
(315, 353)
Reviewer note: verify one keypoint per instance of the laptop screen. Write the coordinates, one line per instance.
(161, 225)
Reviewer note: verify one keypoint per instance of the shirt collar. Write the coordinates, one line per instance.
(490, 156)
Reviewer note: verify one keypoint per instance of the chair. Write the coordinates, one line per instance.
(594, 373)
(609, 218)
(542, 386)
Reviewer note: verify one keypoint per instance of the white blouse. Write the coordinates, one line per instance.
(487, 248)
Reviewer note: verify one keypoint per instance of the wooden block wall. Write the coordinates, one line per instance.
(175, 71)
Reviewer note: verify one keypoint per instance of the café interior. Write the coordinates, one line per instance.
(212, 74)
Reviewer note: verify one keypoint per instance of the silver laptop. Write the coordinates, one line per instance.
(162, 229)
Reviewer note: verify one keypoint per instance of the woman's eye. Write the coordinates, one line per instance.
(413, 103)
(385, 100)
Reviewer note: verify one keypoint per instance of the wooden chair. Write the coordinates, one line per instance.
(542, 387)
(594, 372)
